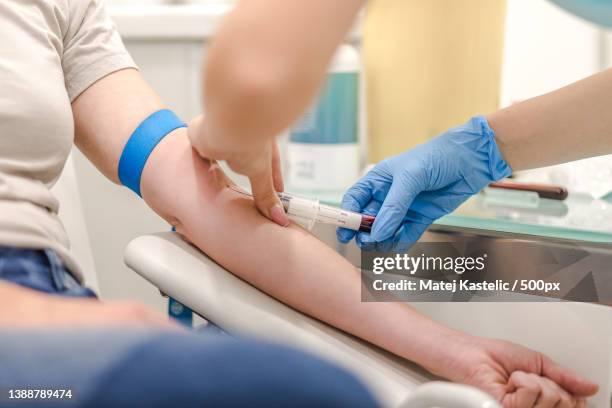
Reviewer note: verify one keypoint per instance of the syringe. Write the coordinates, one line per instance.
(307, 212)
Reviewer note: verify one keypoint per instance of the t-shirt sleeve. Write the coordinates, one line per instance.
(92, 46)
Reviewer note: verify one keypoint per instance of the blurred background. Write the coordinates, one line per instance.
(423, 66)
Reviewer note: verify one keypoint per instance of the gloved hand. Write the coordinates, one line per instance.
(410, 191)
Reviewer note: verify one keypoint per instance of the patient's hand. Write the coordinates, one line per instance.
(519, 377)
(35, 310)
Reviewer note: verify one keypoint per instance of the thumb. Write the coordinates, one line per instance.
(266, 200)
(394, 209)
(571, 382)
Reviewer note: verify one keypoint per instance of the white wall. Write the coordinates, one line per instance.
(546, 48)
(71, 213)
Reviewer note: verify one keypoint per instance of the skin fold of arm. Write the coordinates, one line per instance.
(571, 123)
(289, 264)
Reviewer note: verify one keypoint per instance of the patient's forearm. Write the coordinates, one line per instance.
(287, 263)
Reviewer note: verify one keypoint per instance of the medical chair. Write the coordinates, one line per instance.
(184, 273)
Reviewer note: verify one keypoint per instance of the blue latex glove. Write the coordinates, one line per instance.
(410, 191)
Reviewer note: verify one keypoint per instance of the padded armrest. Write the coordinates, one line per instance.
(575, 335)
(184, 273)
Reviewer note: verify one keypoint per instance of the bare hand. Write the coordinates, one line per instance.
(259, 161)
(521, 378)
(32, 310)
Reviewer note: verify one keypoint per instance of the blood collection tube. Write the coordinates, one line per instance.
(308, 212)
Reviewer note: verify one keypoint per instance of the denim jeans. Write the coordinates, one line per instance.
(41, 270)
(152, 368)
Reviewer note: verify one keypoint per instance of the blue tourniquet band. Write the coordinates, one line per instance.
(142, 142)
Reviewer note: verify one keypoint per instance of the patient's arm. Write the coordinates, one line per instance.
(301, 271)
(289, 263)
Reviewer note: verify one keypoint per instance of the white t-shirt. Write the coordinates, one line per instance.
(50, 52)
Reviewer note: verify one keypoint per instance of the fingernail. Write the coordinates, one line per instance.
(278, 215)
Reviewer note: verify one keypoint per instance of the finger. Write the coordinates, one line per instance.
(372, 208)
(355, 199)
(394, 209)
(388, 245)
(571, 382)
(165, 323)
(526, 390)
(277, 169)
(266, 200)
(567, 401)
(364, 191)
(550, 395)
(345, 235)
(410, 233)
(366, 243)
(364, 239)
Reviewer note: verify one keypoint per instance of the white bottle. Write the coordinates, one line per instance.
(323, 152)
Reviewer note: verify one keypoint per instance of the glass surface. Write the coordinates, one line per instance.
(579, 218)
